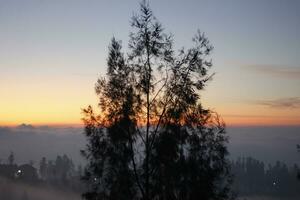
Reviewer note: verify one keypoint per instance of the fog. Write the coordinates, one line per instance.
(12, 190)
(29, 143)
(267, 144)
(32, 143)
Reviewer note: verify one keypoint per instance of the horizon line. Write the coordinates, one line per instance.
(77, 125)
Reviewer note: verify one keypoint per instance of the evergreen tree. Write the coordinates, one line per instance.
(298, 148)
(153, 139)
(43, 168)
(11, 158)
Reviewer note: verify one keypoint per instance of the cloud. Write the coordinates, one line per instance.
(33, 142)
(291, 72)
(253, 116)
(291, 102)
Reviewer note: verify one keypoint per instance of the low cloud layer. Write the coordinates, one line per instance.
(32, 143)
(291, 102)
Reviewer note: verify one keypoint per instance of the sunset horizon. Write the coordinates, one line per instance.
(149, 99)
(47, 78)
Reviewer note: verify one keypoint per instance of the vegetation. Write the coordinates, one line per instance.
(59, 179)
(153, 139)
(254, 178)
(55, 179)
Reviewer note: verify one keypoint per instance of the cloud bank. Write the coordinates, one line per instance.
(32, 143)
(291, 102)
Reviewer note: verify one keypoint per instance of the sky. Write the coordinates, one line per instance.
(53, 51)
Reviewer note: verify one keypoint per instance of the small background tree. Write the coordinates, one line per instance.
(153, 139)
(298, 148)
(11, 158)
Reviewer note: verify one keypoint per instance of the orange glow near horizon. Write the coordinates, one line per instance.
(51, 59)
(48, 109)
(74, 120)
(260, 121)
(229, 121)
(44, 102)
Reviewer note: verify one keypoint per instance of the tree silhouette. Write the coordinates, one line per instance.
(298, 148)
(43, 168)
(153, 139)
(11, 158)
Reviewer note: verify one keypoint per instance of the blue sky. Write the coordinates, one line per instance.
(52, 52)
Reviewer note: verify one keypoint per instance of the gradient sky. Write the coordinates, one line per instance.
(51, 53)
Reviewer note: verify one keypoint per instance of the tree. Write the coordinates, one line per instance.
(298, 148)
(43, 168)
(31, 162)
(11, 158)
(153, 139)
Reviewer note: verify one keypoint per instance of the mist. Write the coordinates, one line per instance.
(268, 144)
(12, 190)
(30, 143)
